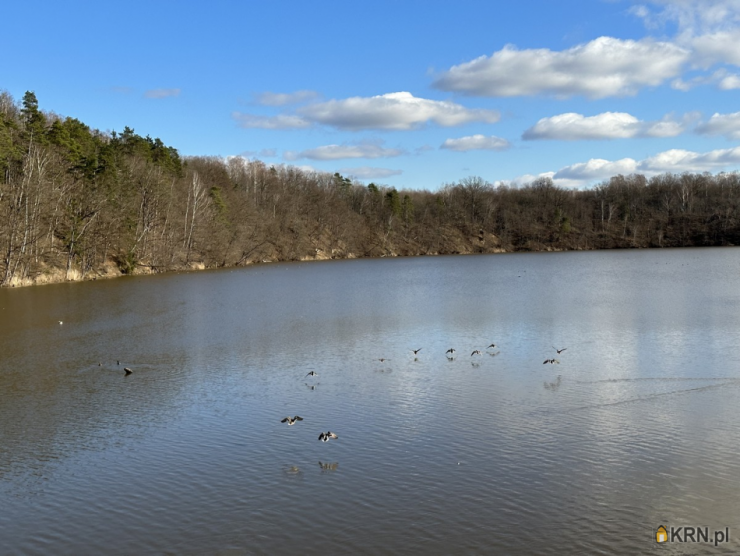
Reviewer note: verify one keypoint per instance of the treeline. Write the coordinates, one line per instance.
(77, 203)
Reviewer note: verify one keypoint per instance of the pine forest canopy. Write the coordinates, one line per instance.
(77, 203)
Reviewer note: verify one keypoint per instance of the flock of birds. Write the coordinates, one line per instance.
(324, 436)
(450, 354)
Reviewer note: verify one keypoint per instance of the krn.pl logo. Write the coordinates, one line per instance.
(692, 534)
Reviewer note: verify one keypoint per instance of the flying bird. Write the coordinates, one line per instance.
(325, 436)
(416, 351)
(383, 359)
(313, 373)
(127, 371)
(559, 350)
(292, 420)
(451, 350)
(551, 361)
(476, 352)
(491, 346)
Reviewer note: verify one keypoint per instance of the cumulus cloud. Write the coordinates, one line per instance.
(708, 28)
(393, 111)
(679, 160)
(596, 169)
(708, 32)
(722, 124)
(718, 47)
(693, 17)
(367, 172)
(730, 81)
(476, 142)
(281, 99)
(162, 93)
(603, 67)
(724, 80)
(609, 125)
(526, 179)
(583, 174)
(686, 85)
(337, 152)
(281, 121)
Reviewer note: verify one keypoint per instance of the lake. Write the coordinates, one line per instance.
(497, 453)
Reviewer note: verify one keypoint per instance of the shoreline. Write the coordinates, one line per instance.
(110, 271)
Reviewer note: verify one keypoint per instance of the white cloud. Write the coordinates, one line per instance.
(724, 80)
(281, 121)
(308, 169)
(337, 152)
(366, 172)
(709, 28)
(584, 174)
(693, 17)
(708, 32)
(476, 142)
(393, 111)
(729, 82)
(722, 124)
(603, 67)
(609, 125)
(679, 160)
(282, 99)
(718, 47)
(640, 11)
(596, 169)
(683, 85)
(162, 93)
(526, 179)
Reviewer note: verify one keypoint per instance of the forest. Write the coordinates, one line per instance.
(77, 203)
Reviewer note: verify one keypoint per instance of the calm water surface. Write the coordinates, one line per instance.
(490, 454)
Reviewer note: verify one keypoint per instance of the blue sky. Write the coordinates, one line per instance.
(410, 94)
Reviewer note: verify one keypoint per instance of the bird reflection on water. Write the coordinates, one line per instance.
(553, 385)
(292, 471)
(328, 467)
